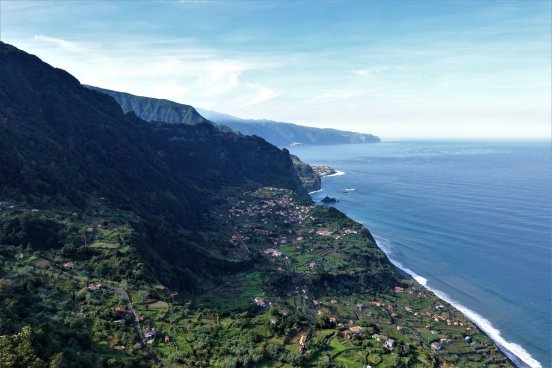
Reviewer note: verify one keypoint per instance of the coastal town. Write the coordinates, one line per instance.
(295, 305)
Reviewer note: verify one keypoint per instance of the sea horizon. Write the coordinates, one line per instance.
(392, 231)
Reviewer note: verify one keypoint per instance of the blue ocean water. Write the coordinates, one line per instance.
(471, 220)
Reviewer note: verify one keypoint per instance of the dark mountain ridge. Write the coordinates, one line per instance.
(278, 133)
(88, 143)
(64, 145)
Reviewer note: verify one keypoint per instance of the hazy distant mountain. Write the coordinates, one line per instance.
(285, 134)
(278, 133)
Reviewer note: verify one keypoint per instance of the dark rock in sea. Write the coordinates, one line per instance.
(327, 199)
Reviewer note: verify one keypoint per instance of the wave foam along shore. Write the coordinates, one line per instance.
(337, 173)
(515, 352)
(316, 191)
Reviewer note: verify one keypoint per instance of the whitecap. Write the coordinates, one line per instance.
(337, 173)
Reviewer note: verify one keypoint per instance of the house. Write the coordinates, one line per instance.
(356, 330)
(93, 287)
(333, 301)
(19, 256)
(260, 302)
(120, 309)
(69, 265)
(167, 339)
(445, 341)
(324, 232)
(389, 344)
(380, 338)
(333, 319)
(273, 252)
(141, 317)
(435, 332)
(399, 289)
(435, 346)
(303, 340)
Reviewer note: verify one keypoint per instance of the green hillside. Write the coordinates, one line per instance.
(125, 243)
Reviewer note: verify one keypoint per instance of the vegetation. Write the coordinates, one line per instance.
(126, 244)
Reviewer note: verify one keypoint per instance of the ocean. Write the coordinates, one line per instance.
(469, 220)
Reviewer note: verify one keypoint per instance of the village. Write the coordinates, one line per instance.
(297, 243)
(277, 303)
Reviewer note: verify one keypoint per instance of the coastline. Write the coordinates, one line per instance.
(515, 353)
(520, 359)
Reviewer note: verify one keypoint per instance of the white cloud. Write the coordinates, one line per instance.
(221, 76)
(338, 94)
(58, 42)
(262, 94)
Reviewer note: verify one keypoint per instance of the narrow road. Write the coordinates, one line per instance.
(134, 318)
(241, 241)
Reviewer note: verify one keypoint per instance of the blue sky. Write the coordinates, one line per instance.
(394, 68)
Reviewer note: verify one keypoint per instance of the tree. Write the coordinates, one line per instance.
(17, 350)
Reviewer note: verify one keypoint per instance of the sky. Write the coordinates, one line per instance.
(397, 69)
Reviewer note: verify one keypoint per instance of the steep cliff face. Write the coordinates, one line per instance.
(278, 133)
(286, 134)
(310, 179)
(154, 109)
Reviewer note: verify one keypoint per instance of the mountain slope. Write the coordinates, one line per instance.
(88, 143)
(125, 243)
(66, 145)
(277, 133)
